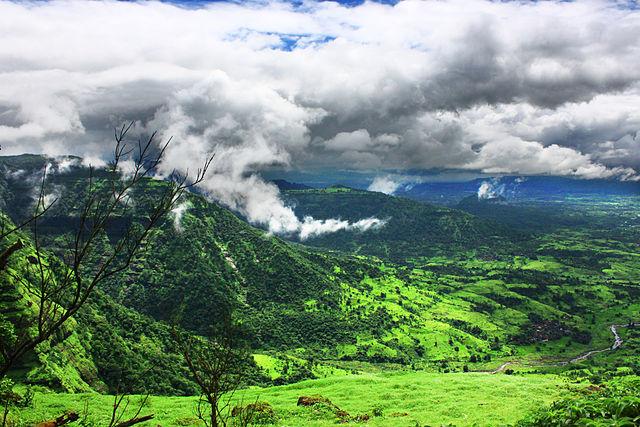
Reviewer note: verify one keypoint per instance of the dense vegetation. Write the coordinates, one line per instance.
(436, 293)
(411, 229)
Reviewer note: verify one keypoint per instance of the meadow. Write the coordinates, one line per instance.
(398, 399)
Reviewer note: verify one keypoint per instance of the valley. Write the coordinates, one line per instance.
(442, 316)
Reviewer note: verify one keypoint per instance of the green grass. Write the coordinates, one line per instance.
(404, 398)
(276, 366)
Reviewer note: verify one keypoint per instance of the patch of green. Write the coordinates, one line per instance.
(613, 403)
(398, 399)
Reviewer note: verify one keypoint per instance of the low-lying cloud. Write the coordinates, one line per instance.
(384, 184)
(500, 188)
(500, 87)
(492, 189)
(312, 227)
(178, 214)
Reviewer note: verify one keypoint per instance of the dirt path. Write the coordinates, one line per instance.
(617, 343)
(501, 367)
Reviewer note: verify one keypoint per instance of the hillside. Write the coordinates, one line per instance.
(472, 305)
(333, 306)
(104, 346)
(532, 217)
(412, 229)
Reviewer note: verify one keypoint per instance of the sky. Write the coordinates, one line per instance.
(495, 87)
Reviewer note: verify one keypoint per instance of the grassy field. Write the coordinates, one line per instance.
(406, 399)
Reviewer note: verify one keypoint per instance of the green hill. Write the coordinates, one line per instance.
(293, 299)
(103, 346)
(435, 289)
(412, 229)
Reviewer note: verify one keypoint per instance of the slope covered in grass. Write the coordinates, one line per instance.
(402, 399)
(102, 346)
(470, 307)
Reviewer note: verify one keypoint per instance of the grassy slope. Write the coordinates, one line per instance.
(104, 343)
(329, 306)
(289, 297)
(425, 398)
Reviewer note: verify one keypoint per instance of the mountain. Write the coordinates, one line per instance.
(103, 346)
(290, 297)
(528, 217)
(540, 188)
(284, 185)
(463, 299)
(411, 229)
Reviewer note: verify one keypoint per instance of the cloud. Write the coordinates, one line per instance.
(313, 228)
(384, 184)
(65, 164)
(488, 190)
(495, 188)
(511, 87)
(178, 213)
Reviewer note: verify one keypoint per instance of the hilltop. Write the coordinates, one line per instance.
(412, 229)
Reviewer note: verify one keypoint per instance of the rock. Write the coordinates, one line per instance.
(313, 400)
(361, 418)
(342, 415)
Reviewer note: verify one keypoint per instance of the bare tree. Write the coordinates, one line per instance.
(59, 293)
(217, 365)
(120, 405)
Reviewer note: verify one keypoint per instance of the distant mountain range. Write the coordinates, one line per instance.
(510, 187)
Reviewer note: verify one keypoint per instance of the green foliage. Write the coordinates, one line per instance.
(433, 292)
(614, 403)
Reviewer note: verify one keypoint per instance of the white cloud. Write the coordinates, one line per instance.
(178, 213)
(384, 184)
(313, 228)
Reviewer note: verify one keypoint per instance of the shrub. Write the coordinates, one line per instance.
(377, 411)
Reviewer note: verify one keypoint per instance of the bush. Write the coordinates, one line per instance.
(258, 413)
(615, 403)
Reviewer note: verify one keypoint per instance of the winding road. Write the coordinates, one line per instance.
(617, 343)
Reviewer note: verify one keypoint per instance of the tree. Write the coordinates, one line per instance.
(58, 293)
(119, 408)
(218, 365)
